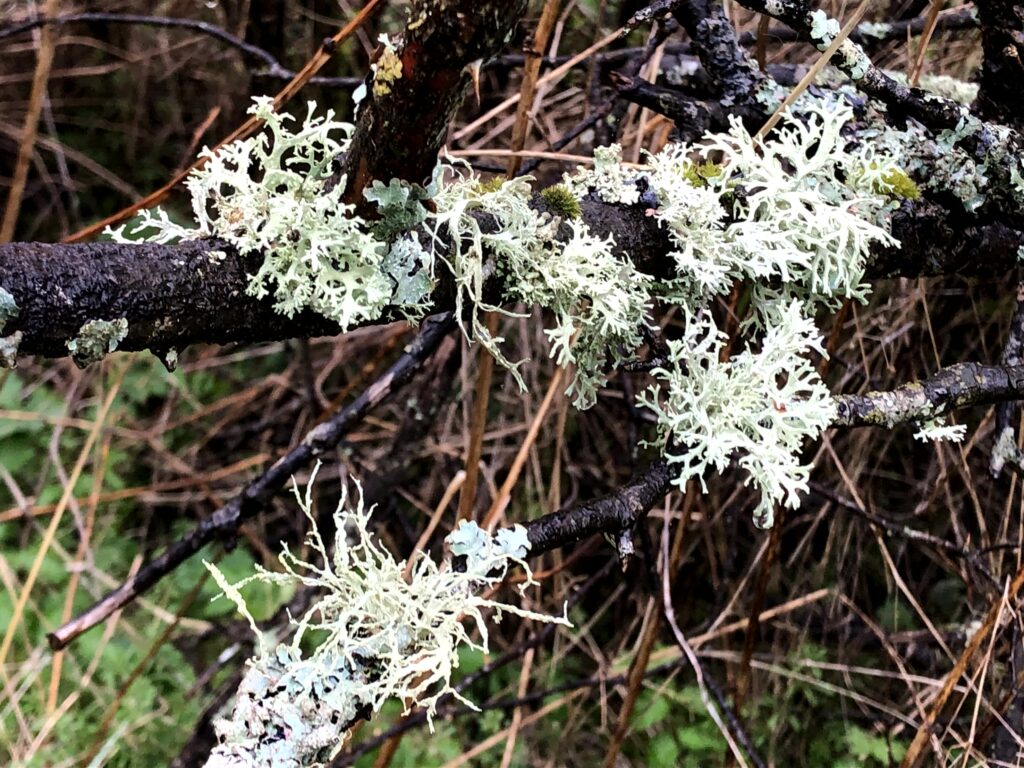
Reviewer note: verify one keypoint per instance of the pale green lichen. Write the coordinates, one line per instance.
(9, 349)
(796, 215)
(1005, 450)
(823, 29)
(757, 408)
(802, 227)
(8, 308)
(97, 339)
(378, 636)
(269, 194)
(598, 299)
(608, 179)
(937, 430)
(878, 30)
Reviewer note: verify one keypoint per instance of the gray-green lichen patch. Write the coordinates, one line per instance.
(96, 339)
(8, 308)
(9, 350)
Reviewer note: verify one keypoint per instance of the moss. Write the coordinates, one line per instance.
(96, 339)
(493, 184)
(896, 183)
(699, 175)
(562, 201)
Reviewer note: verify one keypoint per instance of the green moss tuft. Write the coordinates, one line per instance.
(493, 184)
(562, 201)
(896, 183)
(699, 175)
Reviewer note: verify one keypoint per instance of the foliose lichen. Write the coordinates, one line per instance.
(97, 339)
(8, 308)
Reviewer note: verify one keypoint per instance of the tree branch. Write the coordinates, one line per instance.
(257, 494)
(957, 386)
(404, 120)
(175, 295)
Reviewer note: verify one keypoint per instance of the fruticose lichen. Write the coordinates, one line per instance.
(599, 300)
(97, 339)
(795, 215)
(758, 407)
(269, 194)
(378, 636)
(937, 430)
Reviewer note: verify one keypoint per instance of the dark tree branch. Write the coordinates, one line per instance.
(175, 295)
(253, 499)
(404, 120)
(930, 110)
(1002, 41)
(957, 386)
(614, 513)
(714, 41)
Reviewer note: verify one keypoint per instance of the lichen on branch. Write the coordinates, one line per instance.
(795, 215)
(377, 635)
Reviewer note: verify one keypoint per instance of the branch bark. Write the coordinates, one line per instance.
(175, 295)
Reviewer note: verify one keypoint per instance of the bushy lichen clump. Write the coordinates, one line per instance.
(378, 636)
(794, 215)
(599, 300)
(759, 406)
(269, 194)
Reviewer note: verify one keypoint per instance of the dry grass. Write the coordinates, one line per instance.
(829, 621)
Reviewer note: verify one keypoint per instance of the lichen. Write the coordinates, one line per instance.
(823, 29)
(795, 215)
(597, 298)
(387, 69)
(562, 201)
(8, 308)
(1005, 450)
(878, 30)
(97, 339)
(757, 408)
(937, 430)
(378, 636)
(608, 179)
(9, 349)
(269, 194)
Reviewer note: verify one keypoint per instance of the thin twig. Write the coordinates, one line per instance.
(256, 495)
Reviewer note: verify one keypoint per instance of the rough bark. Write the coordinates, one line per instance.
(443, 42)
(1002, 40)
(176, 295)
